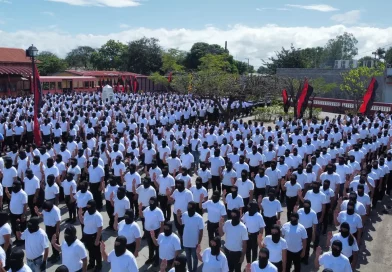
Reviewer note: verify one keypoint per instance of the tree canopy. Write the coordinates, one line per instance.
(80, 57)
(50, 63)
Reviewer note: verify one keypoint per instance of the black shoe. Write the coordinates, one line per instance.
(90, 266)
(54, 258)
(149, 261)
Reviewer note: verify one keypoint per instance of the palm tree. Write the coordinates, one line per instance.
(380, 52)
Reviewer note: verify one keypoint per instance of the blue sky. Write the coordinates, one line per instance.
(253, 28)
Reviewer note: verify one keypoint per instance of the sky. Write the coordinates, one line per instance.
(254, 29)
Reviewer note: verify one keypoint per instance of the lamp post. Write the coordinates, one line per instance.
(32, 53)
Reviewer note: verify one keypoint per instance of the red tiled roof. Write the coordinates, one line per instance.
(102, 73)
(15, 70)
(13, 55)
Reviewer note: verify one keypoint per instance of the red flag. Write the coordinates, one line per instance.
(123, 83)
(286, 103)
(37, 106)
(169, 79)
(135, 84)
(369, 96)
(307, 91)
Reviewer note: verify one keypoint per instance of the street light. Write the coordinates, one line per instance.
(32, 52)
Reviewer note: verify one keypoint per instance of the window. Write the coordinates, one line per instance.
(45, 86)
(86, 84)
(52, 85)
(59, 86)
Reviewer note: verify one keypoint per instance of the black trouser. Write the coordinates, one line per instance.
(17, 224)
(97, 195)
(71, 206)
(293, 257)
(246, 202)
(290, 202)
(94, 253)
(110, 211)
(198, 210)
(216, 183)
(179, 227)
(326, 217)
(152, 248)
(233, 259)
(279, 266)
(17, 139)
(165, 207)
(50, 231)
(31, 204)
(227, 188)
(132, 247)
(309, 231)
(254, 170)
(46, 138)
(269, 222)
(205, 185)
(212, 229)
(258, 192)
(29, 137)
(318, 231)
(251, 248)
(117, 180)
(133, 203)
(6, 200)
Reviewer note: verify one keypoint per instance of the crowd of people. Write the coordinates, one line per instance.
(170, 162)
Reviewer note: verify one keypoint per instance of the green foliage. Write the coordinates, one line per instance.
(355, 81)
(343, 47)
(216, 63)
(286, 58)
(388, 56)
(143, 56)
(321, 87)
(159, 79)
(109, 56)
(269, 114)
(172, 61)
(198, 51)
(50, 63)
(362, 60)
(80, 57)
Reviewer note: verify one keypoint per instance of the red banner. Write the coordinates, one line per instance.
(37, 91)
(369, 96)
(285, 97)
(301, 98)
(169, 79)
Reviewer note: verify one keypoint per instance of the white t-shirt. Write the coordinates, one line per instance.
(271, 208)
(36, 243)
(51, 218)
(244, 187)
(307, 220)
(83, 198)
(4, 230)
(317, 200)
(92, 222)
(341, 263)
(145, 194)
(292, 190)
(294, 236)
(214, 263)
(153, 218)
(216, 164)
(192, 226)
(168, 245)
(235, 235)
(126, 262)
(275, 249)
(233, 203)
(73, 255)
(347, 250)
(354, 220)
(181, 200)
(214, 210)
(131, 231)
(197, 192)
(18, 200)
(31, 185)
(253, 223)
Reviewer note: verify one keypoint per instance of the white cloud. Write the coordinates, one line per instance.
(350, 17)
(124, 26)
(243, 41)
(49, 13)
(101, 3)
(321, 7)
(280, 9)
(5, 2)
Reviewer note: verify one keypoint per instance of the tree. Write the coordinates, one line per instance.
(343, 47)
(109, 56)
(320, 88)
(364, 60)
(50, 63)
(172, 61)
(217, 84)
(263, 70)
(388, 56)
(356, 81)
(143, 56)
(216, 63)
(286, 58)
(160, 80)
(199, 50)
(380, 53)
(243, 68)
(312, 57)
(80, 57)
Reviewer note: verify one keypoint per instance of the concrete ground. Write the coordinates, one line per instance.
(375, 251)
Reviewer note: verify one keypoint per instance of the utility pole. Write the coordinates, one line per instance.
(248, 63)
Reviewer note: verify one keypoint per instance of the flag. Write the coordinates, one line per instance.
(286, 103)
(169, 79)
(135, 84)
(37, 91)
(303, 98)
(369, 96)
(130, 84)
(123, 83)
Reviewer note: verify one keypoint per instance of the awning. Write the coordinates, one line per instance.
(15, 70)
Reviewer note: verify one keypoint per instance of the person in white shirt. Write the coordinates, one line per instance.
(17, 207)
(271, 208)
(36, 245)
(168, 242)
(154, 221)
(254, 223)
(213, 259)
(17, 258)
(236, 240)
(92, 233)
(352, 218)
(262, 264)
(32, 189)
(292, 189)
(333, 260)
(245, 188)
(193, 233)
(232, 200)
(277, 247)
(97, 183)
(130, 230)
(308, 218)
(295, 235)
(74, 254)
(217, 165)
(5, 238)
(120, 258)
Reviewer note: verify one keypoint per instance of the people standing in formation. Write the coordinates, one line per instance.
(150, 156)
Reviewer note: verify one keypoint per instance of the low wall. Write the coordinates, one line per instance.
(341, 105)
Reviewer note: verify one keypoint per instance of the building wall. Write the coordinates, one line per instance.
(384, 93)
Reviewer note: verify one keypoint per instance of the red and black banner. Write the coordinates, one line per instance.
(37, 91)
(303, 99)
(135, 84)
(286, 103)
(369, 97)
(169, 79)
